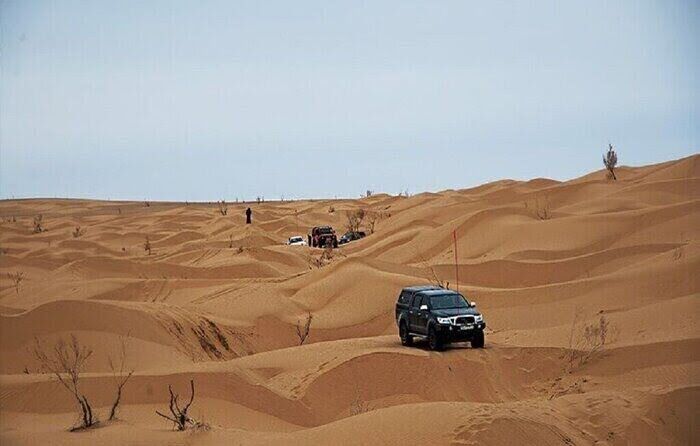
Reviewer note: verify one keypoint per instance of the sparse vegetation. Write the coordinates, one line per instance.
(16, 278)
(368, 193)
(542, 208)
(120, 376)
(354, 220)
(147, 204)
(331, 209)
(66, 361)
(324, 258)
(147, 246)
(610, 162)
(180, 418)
(303, 331)
(240, 250)
(38, 224)
(230, 241)
(371, 219)
(223, 207)
(359, 406)
(586, 341)
(433, 277)
(78, 232)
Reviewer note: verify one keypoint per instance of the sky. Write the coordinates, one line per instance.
(208, 100)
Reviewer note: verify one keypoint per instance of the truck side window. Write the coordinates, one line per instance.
(404, 298)
(416, 301)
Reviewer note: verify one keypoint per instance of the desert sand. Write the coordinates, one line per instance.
(218, 302)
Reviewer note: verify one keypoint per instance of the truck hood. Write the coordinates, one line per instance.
(455, 312)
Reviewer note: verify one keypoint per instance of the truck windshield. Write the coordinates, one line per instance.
(443, 301)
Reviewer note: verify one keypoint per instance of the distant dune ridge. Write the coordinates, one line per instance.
(218, 302)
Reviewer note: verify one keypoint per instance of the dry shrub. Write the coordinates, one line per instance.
(587, 341)
(542, 208)
(331, 209)
(610, 162)
(230, 241)
(16, 278)
(147, 246)
(372, 217)
(180, 418)
(240, 250)
(147, 204)
(38, 224)
(354, 220)
(66, 361)
(433, 277)
(120, 376)
(303, 331)
(223, 207)
(359, 406)
(323, 259)
(78, 232)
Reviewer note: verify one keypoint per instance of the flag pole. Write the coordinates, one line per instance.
(454, 237)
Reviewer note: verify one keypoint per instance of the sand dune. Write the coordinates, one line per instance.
(218, 302)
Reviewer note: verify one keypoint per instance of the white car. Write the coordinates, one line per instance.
(296, 240)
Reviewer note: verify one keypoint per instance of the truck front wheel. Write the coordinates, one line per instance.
(478, 341)
(434, 341)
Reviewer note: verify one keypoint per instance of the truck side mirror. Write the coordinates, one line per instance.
(423, 308)
(473, 304)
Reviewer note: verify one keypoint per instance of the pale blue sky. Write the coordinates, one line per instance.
(206, 100)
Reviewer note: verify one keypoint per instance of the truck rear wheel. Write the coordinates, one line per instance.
(478, 341)
(406, 338)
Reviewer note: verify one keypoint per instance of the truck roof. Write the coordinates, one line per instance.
(417, 288)
(435, 291)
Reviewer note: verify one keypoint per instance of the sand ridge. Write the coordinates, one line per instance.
(218, 301)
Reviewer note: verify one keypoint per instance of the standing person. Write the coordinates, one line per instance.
(248, 214)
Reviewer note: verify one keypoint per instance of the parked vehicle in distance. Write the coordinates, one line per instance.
(296, 240)
(350, 236)
(440, 315)
(322, 236)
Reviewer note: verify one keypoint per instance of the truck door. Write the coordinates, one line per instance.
(413, 313)
(422, 317)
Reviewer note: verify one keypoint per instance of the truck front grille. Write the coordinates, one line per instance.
(464, 320)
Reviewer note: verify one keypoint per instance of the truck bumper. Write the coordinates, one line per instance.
(457, 333)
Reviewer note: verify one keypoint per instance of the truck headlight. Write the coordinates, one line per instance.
(443, 320)
(478, 318)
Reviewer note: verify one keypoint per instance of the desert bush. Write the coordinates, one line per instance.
(230, 241)
(120, 376)
(16, 278)
(586, 341)
(359, 406)
(78, 232)
(323, 259)
(372, 217)
(331, 209)
(147, 246)
(303, 331)
(354, 220)
(610, 162)
(66, 361)
(38, 224)
(433, 277)
(223, 207)
(542, 208)
(180, 418)
(147, 204)
(368, 193)
(240, 250)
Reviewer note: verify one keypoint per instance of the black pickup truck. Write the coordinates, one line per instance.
(440, 315)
